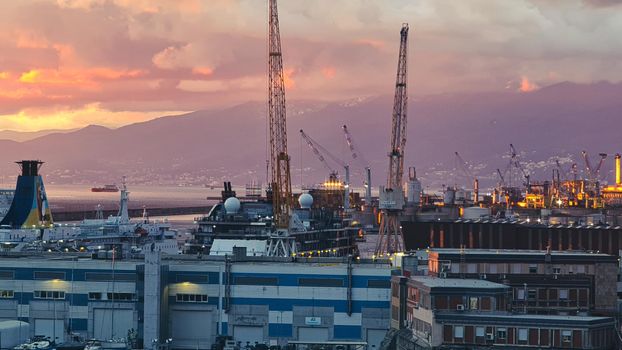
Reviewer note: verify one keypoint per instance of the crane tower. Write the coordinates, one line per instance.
(280, 180)
(392, 196)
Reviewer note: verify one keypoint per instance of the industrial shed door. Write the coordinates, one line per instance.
(55, 329)
(374, 338)
(312, 334)
(192, 329)
(250, 334)
(107, 327)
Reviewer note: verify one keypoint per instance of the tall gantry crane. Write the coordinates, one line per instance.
(356, 154)
(280, 179)
(469, 174)
(392, 196)
(320, 151)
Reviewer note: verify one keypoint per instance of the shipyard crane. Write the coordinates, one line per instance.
(392, 196)
(593, 173)
(320, 151)
(356, 154)
(467, 172)
(280, 243)
(519, 166)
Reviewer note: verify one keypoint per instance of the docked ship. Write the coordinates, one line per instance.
(247, 222)
(106, 188)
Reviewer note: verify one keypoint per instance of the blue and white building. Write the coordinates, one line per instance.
(192, 300)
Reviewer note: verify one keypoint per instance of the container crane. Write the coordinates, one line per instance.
(392, 196)
(519, 166)
(593, 173)
(356, 154)
(320, 151)
(467, 172)
(280, 243)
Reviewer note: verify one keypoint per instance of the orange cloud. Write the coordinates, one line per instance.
(329, 72)
(205, 71)
(4, 75)
(73, 76)
(288, 78)
(526, 85)
(377, 44)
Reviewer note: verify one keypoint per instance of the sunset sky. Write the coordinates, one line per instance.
(70, 63)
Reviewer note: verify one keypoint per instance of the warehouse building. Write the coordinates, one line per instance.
(191, 300)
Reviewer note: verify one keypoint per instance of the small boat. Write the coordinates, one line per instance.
(106, 188)
(38, 342)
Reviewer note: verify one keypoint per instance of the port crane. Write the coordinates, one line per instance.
(593, 173)
(392, 195)
(320, 151)
(280, 242)
(356, 154)
(519, 166)
(467, 172)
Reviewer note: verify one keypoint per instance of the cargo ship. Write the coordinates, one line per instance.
(106, 188)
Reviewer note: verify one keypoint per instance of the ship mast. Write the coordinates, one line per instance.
(280, 180)
(392, 196)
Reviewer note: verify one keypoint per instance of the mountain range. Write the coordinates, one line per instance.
(553, 123)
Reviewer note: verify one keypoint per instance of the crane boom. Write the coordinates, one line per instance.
(320, 151)
(279, 159)
(392, 196)
(356, 154)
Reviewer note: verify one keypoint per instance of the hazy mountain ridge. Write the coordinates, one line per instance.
(208, 146)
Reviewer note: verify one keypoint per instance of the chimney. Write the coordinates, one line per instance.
(618, 180)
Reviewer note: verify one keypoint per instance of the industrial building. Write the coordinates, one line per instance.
(542, 282)
(448, 313)
(190, 300)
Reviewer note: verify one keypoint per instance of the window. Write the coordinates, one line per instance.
(531, 294)
(471, 268)
(520, 295)
(458, 331)
(6, 294)
(120, 296)
(49, 275)
(191, 298)
(255, 281)
(580, 268)
(492, 268)
(106, 276)
(533, 269)
(557, 270)
(378, 283)
(566, 336)
(95, 296)
(516, 268)
(479, 331)
(522, 334)
(199, 279)
(502, 333)
(563, 294)
(7, 275)
(47, 294)
(473, 303)
(320, 282)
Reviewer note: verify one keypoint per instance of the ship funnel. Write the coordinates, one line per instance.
(617, 160)
(30, 208)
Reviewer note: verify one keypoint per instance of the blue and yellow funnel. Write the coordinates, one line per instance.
(30, 208)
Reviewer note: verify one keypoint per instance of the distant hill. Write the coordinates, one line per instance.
(20, 136)
(205, 147)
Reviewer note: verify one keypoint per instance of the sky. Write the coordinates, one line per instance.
(70, 63)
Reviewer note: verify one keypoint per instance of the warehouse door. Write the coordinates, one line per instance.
(374, 338)
(312, 334)
(54, 329)
(192, 329)
(107, 326)
(250, 334)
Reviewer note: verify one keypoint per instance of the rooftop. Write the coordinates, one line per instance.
(435, 282)
(518, 252)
